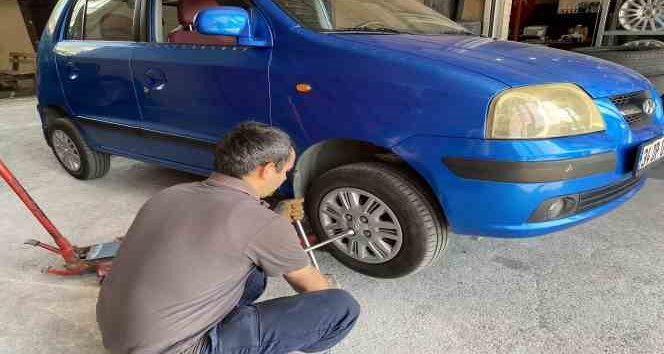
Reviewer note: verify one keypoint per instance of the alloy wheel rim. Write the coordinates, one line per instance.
(642, 15)
(378, 234)
(66, 150)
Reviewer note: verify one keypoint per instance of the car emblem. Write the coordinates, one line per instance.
(649, 106)
(569, 168)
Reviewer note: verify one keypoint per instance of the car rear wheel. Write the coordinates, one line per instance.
(74, 154)
(398, 229)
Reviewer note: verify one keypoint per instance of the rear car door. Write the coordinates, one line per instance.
(192, 88)
(93, 65)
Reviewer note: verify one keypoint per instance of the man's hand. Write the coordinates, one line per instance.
(291, 209)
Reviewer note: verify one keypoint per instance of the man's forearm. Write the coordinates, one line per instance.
(318, 286)
(307, 280)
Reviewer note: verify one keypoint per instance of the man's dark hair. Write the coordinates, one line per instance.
(249, 145)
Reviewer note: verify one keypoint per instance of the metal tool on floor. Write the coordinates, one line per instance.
(78, 260)
(98, 258)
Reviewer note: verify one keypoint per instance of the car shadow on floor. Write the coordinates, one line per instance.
(139, 176)
(658, 172)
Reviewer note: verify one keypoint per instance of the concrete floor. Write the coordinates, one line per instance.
(597, 288)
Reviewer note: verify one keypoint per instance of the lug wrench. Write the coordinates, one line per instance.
(310, 249)
(335, 238)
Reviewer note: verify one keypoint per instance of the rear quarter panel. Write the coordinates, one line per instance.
(49, 91)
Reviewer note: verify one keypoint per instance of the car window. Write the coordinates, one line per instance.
(75, 27)
(310, 13)
(55, 15)
(109, 20)
(408, 16)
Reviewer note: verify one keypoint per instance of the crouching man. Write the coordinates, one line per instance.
(197, 256)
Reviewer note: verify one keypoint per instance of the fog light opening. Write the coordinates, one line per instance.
(555, 209)
(560, 207)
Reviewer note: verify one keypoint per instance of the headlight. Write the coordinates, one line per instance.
(543, 111)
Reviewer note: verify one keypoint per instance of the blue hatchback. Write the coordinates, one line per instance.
(406, 125)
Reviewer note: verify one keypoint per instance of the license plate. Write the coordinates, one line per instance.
(649, 154)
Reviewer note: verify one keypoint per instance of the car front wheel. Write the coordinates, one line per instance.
(398, 229)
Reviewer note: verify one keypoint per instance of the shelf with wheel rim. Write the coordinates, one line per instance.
(635, 17)
(642, 15)
(630, 33)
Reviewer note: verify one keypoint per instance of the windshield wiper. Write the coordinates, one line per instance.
(461, 33)
(369, 29)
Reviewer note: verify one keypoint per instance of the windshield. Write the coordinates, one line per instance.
(383, 16)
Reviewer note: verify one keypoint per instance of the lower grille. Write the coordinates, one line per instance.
(631, 107)
(604, 195)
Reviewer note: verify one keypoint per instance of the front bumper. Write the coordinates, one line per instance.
(493, 201)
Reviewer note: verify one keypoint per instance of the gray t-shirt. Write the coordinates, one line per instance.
(184, 262)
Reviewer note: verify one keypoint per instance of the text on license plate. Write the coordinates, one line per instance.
(650, 153)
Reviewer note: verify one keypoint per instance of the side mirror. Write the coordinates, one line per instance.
(227, 21)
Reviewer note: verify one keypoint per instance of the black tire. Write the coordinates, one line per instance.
(93, 164)
(424, 228)
(648, 61)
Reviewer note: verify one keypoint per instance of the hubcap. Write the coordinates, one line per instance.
(66, 150)
(642, 15)
(378, 234)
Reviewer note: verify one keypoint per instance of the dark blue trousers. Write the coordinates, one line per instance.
(307, 322)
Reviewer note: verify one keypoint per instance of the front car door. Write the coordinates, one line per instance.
(193, 88)
(93, 65)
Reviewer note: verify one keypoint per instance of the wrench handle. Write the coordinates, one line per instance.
(305, 240)
(348, 233)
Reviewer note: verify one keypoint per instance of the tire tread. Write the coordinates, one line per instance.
(433, 225)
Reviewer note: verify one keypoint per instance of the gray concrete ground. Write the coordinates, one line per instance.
(597, 288)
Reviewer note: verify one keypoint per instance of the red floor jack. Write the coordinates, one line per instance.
(98, 258)
(78, 260)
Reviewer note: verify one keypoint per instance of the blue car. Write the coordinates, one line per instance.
(407, 126)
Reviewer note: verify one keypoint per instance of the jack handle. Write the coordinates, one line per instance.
(66, 250)
(35, 243)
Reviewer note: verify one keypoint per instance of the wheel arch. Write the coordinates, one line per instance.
(329, 154)
(48, 115)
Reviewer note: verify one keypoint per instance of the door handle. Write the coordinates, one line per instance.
(155, 80)
(72, 71)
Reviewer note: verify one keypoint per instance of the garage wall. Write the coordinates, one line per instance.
(473, 10)
(14, 36)
(39, 12)
(445, 7)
